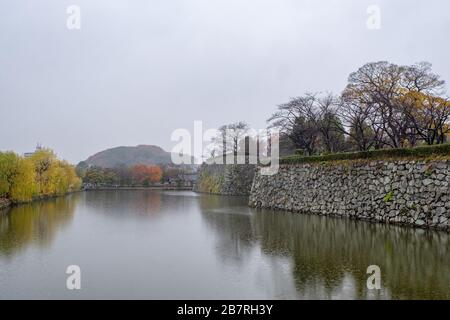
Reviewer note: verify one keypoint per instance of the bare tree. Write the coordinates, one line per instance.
(420, 78)
(310, 122)
(329, 124)
(356, 121)
(228, 139)
(232, 134)
(297, 120)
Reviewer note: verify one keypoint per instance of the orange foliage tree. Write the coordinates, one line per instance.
(145, 174)
(428, 116)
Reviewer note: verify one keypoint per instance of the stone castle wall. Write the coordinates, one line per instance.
(414, 193)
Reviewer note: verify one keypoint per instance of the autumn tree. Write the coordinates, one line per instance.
(8, 168)
(21, 179)
(63, 178)
(45, 166)
(146, 174)
(53, 176)
(375, 98)
(428, 115)
(24, 186)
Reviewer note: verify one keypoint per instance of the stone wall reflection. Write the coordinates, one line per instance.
(229, 217)
(414, 263)
(330, 256)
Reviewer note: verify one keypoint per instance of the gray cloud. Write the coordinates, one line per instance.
(139, 69)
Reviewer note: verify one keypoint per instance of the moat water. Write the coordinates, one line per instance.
(180, 245)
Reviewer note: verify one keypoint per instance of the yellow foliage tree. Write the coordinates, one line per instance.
(43, 174)
(428, 115)
(23, 187)
(44, 164)
(8, 167)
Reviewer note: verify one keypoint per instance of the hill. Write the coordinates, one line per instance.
(129, 156)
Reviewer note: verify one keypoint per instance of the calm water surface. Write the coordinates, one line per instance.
(181, 245)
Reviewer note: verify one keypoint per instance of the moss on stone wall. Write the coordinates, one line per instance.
(209, 183)
(233, 179)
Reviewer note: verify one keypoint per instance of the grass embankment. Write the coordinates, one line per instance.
(424, 152)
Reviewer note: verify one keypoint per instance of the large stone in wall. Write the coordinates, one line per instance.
(414, 193)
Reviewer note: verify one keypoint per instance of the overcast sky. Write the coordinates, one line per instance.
(137, 70)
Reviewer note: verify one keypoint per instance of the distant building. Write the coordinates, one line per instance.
(30, 154)
(184, 179)
(188, 179)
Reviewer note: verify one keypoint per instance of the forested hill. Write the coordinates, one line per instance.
(129, 156)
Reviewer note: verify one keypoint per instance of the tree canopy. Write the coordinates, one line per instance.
(42, 174)
(384, 105)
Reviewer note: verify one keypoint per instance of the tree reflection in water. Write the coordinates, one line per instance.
(125, 203)
(162, 238)
(34, 223)
(330, 256)
(231, 220)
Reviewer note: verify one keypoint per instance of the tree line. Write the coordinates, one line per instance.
(137, 175)
(40, 175)
(384, 105)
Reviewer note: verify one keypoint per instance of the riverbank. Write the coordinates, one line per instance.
(4, 203)
(141, 188)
